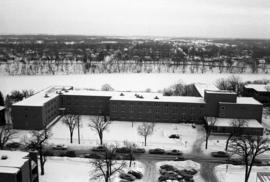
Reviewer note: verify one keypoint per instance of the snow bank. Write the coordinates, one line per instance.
(228, 173)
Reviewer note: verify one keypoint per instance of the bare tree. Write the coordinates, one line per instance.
(107, 166)
(99, 124)
(6, 134)
(237, 125)
(211, 121)
(131, 146)
(37, 142)
(145, 130)
(249, 148)
(71, 121)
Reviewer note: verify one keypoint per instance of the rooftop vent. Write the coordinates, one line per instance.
(122, 94)
(46, 95)
(156, 97)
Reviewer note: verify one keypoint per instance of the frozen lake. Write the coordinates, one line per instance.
(119, 81)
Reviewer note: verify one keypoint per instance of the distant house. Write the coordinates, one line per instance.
(260, 92)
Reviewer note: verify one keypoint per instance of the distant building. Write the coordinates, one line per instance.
(16, 166)
(260, 92)
(39, 110)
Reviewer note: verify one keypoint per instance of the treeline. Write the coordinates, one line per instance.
(232, 83)
(111, 65)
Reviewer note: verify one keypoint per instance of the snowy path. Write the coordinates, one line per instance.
(208, 172)
(196, 147)
(150, 173)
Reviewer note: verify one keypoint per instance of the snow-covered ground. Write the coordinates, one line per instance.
(229, 173)
(120, 131)
(188, 164)
(121, 81)
(58, 169)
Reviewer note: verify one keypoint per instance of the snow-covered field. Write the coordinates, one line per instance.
(120, 131)
(58, 169)
(121, 81)
(231, 173)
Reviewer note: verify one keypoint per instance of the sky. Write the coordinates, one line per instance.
(173, 18)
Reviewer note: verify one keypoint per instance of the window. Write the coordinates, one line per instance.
(222, 107)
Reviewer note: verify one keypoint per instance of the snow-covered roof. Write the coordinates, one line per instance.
(247, 100)
(259, 87)
(201, 87)
(15, 159)
(227, 122)
(220, 92)
(2, 108)
(160, 98)
(38, 99)
(9, 170)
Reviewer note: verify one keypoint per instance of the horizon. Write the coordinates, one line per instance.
(214, 19)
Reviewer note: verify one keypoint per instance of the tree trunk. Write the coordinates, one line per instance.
(228, 140)
(71, 137)
(206, 141)
(41, 163)
(79, 137)
(145, 140)
(101, 138)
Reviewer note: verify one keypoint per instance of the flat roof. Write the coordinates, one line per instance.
(2, 108)
(175, 99)
(10, 170)
(247, 100)
(227, 122)
(201, 87)
(15, 159)
(220, 92)
(39, 98)
(259, 87)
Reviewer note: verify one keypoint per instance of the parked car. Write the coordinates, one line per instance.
(139, 150)
(13, 145)
(174, 136)
(236, 161)
(60, 147)
(179, 158)
(220, 154)
(99, 149)
(128, 177)
(174, 152)
(156, 151)
(123, 150)
(92, 156)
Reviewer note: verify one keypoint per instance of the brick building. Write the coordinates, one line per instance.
(16, 166)
(39, 110)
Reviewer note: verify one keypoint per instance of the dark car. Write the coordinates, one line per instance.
(174, 136)
(139, 150)
(236, 161)
(220, 154)
(174, 152)
(179, 158)
(93, 156)
(156, 151)
(99, 149)
(60, 147)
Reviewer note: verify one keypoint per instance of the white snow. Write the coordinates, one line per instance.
(120, 131)
(121, 81)
(229, 173)
(76, 169)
